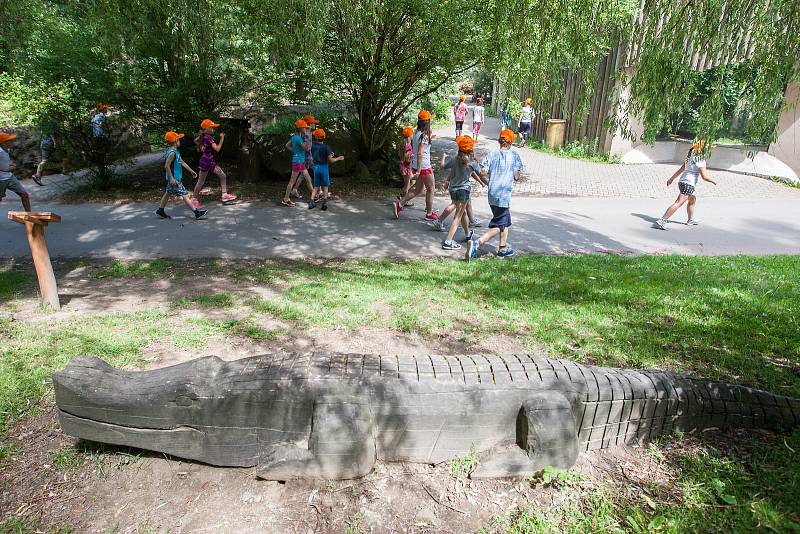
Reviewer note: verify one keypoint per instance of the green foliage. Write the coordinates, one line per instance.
(559, 477)
(18, 526)
(66, 459)
(442, 110)
(217, 300)
(136, 269)
(7, 450)
(462, 466)
(577, 150)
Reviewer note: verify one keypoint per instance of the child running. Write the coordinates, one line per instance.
(312, 124)
(478, 113)
(9, 182)
(439, 224)
(404, 153)
(460, 112)
(459, 187)
(504, 167)
(323, 155)
(421, 167)
(525, 119)
(47, 145)
(298, 144)
(690, 172)
(208, 162)
(173, 172)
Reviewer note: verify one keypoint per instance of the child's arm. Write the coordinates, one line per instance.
(444, 159)
(517, 175)
(704, 175)
(334, 159)
(677, 173)
(185, 166)
(218, 147)
(447, 181)
(289, 144)
(168, 167)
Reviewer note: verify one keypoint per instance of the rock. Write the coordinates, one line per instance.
(426, 516)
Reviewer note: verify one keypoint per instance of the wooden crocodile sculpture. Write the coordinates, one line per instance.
(332, 416)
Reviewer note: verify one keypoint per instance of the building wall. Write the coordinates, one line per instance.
(787, 145)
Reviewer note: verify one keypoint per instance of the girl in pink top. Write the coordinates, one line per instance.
(405, 161)
(460, 111)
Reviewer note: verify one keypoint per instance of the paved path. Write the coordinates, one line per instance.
(366, 229)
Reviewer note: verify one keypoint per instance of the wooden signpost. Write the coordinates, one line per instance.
(35, 222)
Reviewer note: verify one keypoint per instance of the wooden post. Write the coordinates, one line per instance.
(35, 222)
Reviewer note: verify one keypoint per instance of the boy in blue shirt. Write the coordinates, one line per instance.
(173, 172)
(323, 155)
(504, 167)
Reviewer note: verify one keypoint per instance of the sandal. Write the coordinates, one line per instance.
(288, 204)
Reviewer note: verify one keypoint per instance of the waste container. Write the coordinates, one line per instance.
(554, 135)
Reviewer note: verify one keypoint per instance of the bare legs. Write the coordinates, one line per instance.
(429, 183)
(680, 201)
(460, 217)
(294, 181)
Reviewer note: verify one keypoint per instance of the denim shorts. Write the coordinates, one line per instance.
(501, 218)
(322, 177)
(459, 195)
(12, 184)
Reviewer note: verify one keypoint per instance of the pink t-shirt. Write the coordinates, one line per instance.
(461, 111)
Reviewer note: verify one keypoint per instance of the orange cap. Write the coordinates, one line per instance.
(462, 98)
(171, 137)
(424, 115)
(319, 133)
(507, 135)
(310, 119)
(528, 100)
(208, 123)
(300, 123)
(102, 107)
(6, 137)
(698, 145)
(408, 132)
(465, 143)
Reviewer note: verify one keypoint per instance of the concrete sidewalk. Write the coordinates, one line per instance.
(366, 229)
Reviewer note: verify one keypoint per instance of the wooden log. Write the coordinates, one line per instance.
(35, 222)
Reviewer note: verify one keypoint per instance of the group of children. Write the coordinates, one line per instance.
(460, 110)
(311, 158)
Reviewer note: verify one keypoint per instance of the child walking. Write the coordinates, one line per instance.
(47, 145)
(525, 119)
(503, 167)
(459, 187)
(9, 182)
(421, 167)
(323, 155)
(298, 144)
(690, 172)
(478, 113)
(208, 162)
(460, 112)
(312, 124)
(173, 172)
(405, 151)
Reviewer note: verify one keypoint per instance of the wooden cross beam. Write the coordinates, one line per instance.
(35, 222)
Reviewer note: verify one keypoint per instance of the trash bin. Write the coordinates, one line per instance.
(554, 135)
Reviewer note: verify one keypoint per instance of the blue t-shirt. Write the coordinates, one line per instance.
(177, 168)
(320, 153)
(97, 124)
(502, 165)
(298, 151)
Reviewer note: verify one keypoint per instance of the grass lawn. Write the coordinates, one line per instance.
(734, 318)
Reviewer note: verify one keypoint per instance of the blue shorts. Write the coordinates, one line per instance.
(524, 128)
(177, 191)
(501, 218)
(322, 176)
(459, 195)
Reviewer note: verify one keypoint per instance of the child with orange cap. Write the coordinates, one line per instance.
(208, 162)
(478, 114)
(323, 155)
(690, 172)
(173, 172)
(98, 119)
(421, 167)
(405, 150)
(9, 182)
(459, 188)
(312, 124)
(299, 145)
(525, 120)
(504, 167)
(460, 110)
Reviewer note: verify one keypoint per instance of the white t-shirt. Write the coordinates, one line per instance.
(477, 114)
(5, 165)
(691, 173)
(527, 114)
(420, 139)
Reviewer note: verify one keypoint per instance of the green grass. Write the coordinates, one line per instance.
(136, 269)
(575, 150)
(754, 489)
(7, 450)
(66, 459)
(13, 282)
(18, 526)
(217, 300)
(736, 318)
(462, 466)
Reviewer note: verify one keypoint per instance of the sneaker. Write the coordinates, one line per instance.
(324, 205)
(472, 250)
(449, 244)
(196, 204)
(432, 216)
(163, 214)
(692, 222)
(397, 208)
(199, 213)
(228, 197)
(661, 224)
(505, 252)
(37, 179)
(437, 225)
(470, 235)
(475, 223)
(312, 204)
